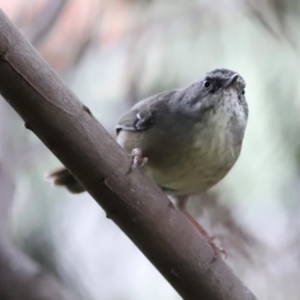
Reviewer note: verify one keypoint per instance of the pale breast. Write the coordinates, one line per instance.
(202, 168)
(212, 152)
(193, 162)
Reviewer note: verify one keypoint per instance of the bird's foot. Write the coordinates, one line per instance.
(209, 239)
(217, 249)
(137, 159)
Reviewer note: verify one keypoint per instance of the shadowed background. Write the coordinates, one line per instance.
(112, 54)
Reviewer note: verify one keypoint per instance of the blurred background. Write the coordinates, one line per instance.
(113, 53)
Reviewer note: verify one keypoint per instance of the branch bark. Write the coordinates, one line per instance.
(132, 201)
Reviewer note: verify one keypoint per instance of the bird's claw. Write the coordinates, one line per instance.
(217, 249)
(137, 159)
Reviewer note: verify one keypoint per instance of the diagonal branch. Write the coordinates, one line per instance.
(132, 201)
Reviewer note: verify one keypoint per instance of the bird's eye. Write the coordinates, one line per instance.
(243, 92)
(207, 84)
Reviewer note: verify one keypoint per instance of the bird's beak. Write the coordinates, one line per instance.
(230, 81)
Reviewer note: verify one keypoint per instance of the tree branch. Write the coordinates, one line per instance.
(132, 201)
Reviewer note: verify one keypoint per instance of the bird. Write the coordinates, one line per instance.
(185, 139)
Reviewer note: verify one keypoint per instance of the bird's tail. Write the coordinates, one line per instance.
(63, 177)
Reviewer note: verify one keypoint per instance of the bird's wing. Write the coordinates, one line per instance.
(142, 115)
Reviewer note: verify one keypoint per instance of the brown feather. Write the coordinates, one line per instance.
(63, 177)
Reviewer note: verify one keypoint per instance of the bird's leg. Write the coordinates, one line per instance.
(181, 203)
(137, 159)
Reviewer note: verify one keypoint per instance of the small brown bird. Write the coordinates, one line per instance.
(189, 137)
